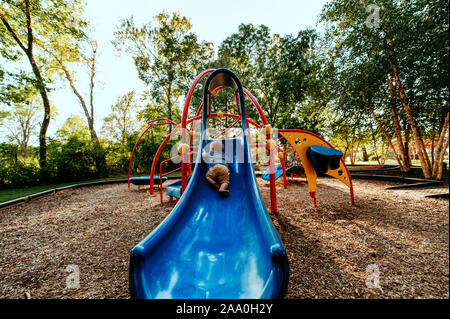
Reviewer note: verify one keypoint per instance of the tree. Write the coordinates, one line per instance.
(64, 53)
(399, 50)
(22, 124)
(272, 67)
(73, 126)
(25, 22)
(3, 115)
(72, 154)
(121, 122)
(15, 87)
(167, 56)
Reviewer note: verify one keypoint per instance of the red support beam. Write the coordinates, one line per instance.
(150, 126)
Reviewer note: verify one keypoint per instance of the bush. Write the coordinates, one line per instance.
(118, 155)
(73, 157)
(72, 160)
(15, 173)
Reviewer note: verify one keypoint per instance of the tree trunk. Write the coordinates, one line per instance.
(407, 149)
(43, 133)
(383, 131)
(441, 159)
(89, 115)
(275, 111)
(374, 139)
(386, 136)
(386, 152)
(40, 84)
(94, 47)
(365, 155)
(433, 136)
(46, 120)
(89, 118)
(169, 106)
(440, 149)
(424, 150)
(355, 151)
(351, 150)
(403, 98)
(397, 128)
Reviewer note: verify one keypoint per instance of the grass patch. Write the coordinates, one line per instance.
(14, 193)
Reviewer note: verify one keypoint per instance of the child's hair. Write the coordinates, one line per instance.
(216, 146)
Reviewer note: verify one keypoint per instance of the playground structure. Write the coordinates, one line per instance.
(213, 247)
(196, 253)
(189, 237)
(309, 152)
(289, 163)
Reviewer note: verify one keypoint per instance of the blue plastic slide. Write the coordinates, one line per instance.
(279, 172)
(174, 189)
(211, 246)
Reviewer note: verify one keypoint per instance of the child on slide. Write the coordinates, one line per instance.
(218, 174)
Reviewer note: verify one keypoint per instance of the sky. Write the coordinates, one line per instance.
(212, 21)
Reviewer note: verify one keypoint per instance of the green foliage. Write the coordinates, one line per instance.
(272, 67)
(72, 156)
(335, 84)
(22, 121)
(358, 59)
(73, 126)
(72, 160)
(3, 115)
(25, 26)
(167, 54)
(14, 172)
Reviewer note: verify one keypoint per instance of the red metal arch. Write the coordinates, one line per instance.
(163, 144)
(150, 126)
(263, 119)
(184, 123)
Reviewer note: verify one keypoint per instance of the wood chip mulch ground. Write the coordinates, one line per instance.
(335, 250)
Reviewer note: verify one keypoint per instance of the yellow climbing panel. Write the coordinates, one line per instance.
(301, 141)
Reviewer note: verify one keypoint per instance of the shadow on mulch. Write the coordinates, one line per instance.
(329, 247)
(312, 273)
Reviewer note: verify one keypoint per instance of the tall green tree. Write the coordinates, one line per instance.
(122, 121)
(398, 51)
(273, 67)
(167, 56)
(23, 24)
(22, 123)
